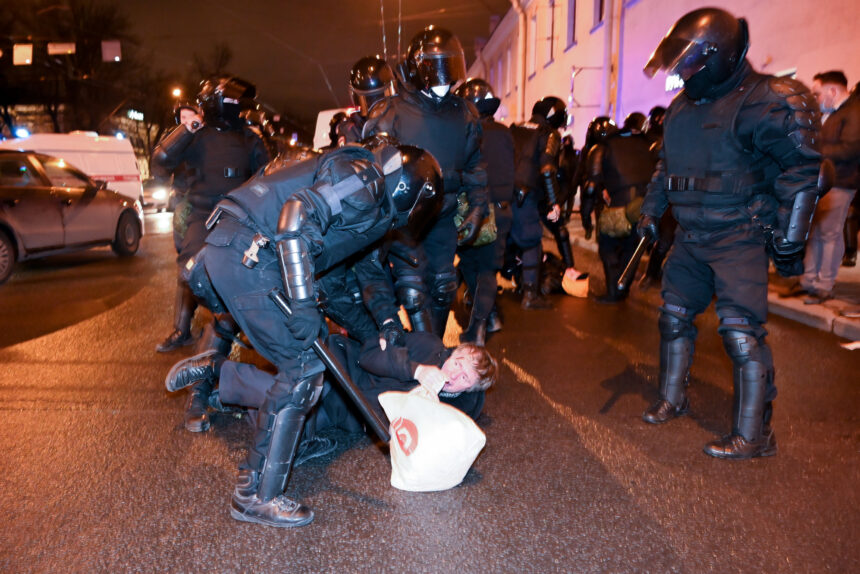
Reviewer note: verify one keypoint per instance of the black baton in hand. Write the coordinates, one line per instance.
(633, 264)
(332, 364)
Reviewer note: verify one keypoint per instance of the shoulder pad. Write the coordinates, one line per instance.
(471, 108)
(553, 143)
(786, 86)
(379, 107)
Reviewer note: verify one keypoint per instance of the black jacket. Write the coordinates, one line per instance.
(840, 142)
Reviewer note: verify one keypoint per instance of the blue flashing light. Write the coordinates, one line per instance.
(22, 133)
(120, 136)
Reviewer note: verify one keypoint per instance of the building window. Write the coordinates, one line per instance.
(533, 51)
(499, 75)
(509, 77)
(551, 30)
(571, 23)
(599, 6)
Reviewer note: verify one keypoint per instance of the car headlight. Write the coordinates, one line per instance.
(160, 194)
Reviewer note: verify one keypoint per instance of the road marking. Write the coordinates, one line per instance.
(664, 493)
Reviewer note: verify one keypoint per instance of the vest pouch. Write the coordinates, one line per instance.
(488, 231)
(613, 222)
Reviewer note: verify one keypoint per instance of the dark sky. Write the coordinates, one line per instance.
(298, 52)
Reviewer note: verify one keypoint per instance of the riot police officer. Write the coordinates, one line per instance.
(478, 265)
(223, 153)
(281, 231)
(739, 169)
(537, 145)
(621, 166)
(659, 250)
(370, 80)
(426, 113)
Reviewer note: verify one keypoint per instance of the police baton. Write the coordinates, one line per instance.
(332, 364)
(633, 264)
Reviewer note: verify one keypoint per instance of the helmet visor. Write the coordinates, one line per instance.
(677, 56)
(441, 71)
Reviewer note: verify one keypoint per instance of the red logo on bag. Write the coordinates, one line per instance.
(407, 435)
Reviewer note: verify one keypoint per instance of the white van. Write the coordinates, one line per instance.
(101, 157)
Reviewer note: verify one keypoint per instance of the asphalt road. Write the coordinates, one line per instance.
(99, 474)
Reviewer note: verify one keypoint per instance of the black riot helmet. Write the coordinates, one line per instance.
(370, 79)
(434, 59)
(222, 98)
(552, 109)
(177, 110)
(654, 124)
(635, 121)
(709, 41)
(413, 180)
(480, 93)
(600, 128)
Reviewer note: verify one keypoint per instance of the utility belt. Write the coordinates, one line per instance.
(233, 210)
(714, 189)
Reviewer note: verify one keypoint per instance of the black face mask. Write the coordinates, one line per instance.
(698, 85)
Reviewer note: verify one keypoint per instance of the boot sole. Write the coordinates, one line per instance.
(203, 427)
(770, 451)
(181, 365)
(244, 518)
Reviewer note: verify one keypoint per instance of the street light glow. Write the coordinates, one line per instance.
(176, 92)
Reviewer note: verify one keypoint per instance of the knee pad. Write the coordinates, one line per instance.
(743, 347)
(444, 288)
(674, 323)
(411, 298)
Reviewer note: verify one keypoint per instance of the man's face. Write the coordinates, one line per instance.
(460, 370)
(825, 95)
(187, 116)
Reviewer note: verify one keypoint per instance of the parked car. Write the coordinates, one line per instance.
(157, 196)
(48, 206)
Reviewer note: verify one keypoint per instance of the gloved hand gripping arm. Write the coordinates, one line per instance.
(297, 270)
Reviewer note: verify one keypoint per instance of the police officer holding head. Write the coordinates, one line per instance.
(426, 113)
(222, 152)
(478, 264)
(284, 230)
(739, 170)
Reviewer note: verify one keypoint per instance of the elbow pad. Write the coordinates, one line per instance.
(297, 268)
(172, 144)
(800, 219)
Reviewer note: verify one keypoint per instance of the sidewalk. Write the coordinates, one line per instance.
(826, 316)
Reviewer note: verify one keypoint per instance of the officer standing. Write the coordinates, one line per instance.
(427, 114)
(659, 250)
(223, 152)
(598, 129)
(478, 265)
(281, 231)
(622, 166)
(537, 145)
(739, 168)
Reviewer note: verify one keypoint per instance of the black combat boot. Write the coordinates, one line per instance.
(197, 407)
(439, 319)
(204, 366)
(494, 321)
(676, 356)
(752, 435)
(532, 299)
(476, 333)
(259, 497)
(183, 312)
(420, 321)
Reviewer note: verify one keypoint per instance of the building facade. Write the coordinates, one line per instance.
(591, 52)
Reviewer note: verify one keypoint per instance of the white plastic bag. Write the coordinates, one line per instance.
(433, 445)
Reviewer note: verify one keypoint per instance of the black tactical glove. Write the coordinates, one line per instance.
(305, 322)
(648, 227)
(468, 230)
(787, 256)
(392, 333)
